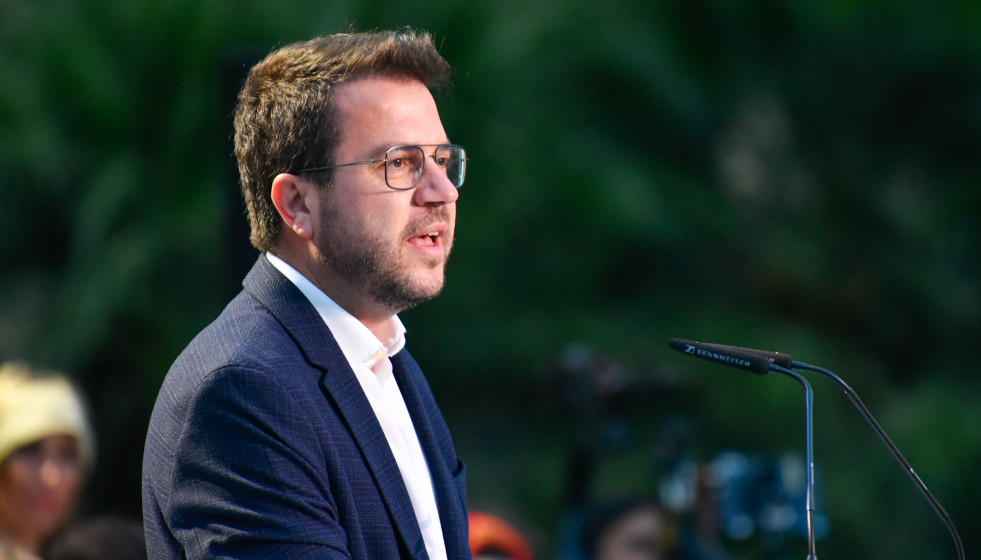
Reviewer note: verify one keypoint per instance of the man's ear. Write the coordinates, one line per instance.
(297, 202)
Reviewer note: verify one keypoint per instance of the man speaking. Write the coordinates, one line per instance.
(296, 425)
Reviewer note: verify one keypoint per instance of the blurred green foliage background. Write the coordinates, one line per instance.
(797, 175)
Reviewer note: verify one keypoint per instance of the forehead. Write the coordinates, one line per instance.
(379, 112)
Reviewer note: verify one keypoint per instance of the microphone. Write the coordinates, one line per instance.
(762, 362)
(776, 358)
(748, 359)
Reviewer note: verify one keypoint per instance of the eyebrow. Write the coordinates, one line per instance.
(380, 150)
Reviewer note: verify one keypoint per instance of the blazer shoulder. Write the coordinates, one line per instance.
(242, 334)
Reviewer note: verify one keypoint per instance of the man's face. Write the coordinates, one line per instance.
(383, 248)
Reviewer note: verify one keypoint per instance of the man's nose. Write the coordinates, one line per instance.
(435, 187)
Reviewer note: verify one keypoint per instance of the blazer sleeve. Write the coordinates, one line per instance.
(247, 477)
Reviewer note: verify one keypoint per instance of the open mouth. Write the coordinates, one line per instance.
(428, 239)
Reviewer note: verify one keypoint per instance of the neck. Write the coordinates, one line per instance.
(375, 316)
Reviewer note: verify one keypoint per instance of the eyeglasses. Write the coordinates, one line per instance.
(404, 165)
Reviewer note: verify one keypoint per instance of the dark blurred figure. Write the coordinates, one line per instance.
(596, 393)
(99, 538)
(492, 538)
(46, 448)
(629, 530)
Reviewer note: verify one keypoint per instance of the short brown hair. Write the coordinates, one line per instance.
(286, 118)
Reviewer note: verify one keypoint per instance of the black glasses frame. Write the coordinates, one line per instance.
(438, 147)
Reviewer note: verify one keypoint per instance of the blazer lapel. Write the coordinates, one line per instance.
(452, 513)
(301, 320)
(347, 396)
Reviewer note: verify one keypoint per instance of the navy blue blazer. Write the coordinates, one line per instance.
(262, 444)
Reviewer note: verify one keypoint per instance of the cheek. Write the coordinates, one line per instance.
(17, 475)
(72, 482)
(16, 487)
(384, 222)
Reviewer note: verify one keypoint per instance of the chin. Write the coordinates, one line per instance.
(398, 293)
(422, 294)
(433, 286)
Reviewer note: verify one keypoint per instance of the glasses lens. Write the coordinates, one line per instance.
(453, 160)
(403, 166)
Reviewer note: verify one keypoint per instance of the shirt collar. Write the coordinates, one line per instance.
(358, 343)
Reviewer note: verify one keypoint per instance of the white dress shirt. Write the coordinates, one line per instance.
(369, 358)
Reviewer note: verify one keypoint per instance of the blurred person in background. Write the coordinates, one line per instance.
(628, 530)
(492, 538)
(46, 447)
(105, 537)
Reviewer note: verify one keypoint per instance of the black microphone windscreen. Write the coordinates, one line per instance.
(782, 360)
(729, 356)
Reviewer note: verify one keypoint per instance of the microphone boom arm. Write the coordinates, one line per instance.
(853, 397)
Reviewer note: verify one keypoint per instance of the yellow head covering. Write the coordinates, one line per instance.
(35, 404)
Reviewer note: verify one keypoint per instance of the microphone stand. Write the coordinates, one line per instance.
(762, 362)
(853, 397)
(809, 405)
